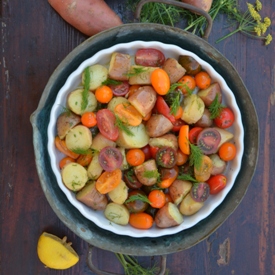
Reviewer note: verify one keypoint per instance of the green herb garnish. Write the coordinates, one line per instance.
(136, 71)
(123, 127)
(215, 108)
(111, 82)
(85, 92)
(186, 177)
(138, 197)
(81, 151)
(151, 174)
(196, 156)
(175, 104)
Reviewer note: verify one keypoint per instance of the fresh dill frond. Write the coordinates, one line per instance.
(136, 71)
(81, 151)
(123, 127)
(151, 174)
(196, 156)
(186, 177)
(215, 108)
(111, 82)
(138, 197)
(175, 104)
(85, 92)
(65, 110)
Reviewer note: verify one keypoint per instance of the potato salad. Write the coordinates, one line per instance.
(146, 139)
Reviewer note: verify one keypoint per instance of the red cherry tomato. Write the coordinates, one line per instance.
(146, 151)
(153, 151)
(225, 119)
(106, 124)
(163, 108)
(217, 183)
(149, 57)
(120, 89)
(177, 125)
(110, 158)
(193, 134)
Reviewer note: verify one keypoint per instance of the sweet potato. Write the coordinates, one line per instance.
(88, 16)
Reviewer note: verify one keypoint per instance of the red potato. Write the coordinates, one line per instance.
(168, 216)
(203, 4)
(179, 189)
(158, 125)
(88, 16)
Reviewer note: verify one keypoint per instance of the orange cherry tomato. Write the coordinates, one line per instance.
(133, 89)
(188, 84)
(181, 158)
(86, 159)
(160, 81)
(157, 198)
(65, 161)
(184, 139)
(227, 151)
(135, 157)
(193, 134)
(60, 144)
(178, 113)
(203, 80)
(128, 114)
(88, 119)
(168, 198)
(141, 220)
(108, 181)
(103, 94)
(168, 176)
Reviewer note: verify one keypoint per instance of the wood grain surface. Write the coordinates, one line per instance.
(34, 40)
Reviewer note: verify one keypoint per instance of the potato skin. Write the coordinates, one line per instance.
(174, 70)
(119, 66)
(167, 140)
(168, 216)
(158, 125)
(91, 197)
(179, 189)
(89, 17)
(65, 122)
(189, 207)
(149, 165)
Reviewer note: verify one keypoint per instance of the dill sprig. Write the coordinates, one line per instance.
(136, 71)
(175, 104)
(151, 174)
(195, 156)
(138, 197)
(251, 23)
(186, 177)
(123, 127)
(81, 151)
(85, 92)
(111, 82)
(132, 267)
(215, 108)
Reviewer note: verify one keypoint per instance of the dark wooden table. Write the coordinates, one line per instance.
(34, 40)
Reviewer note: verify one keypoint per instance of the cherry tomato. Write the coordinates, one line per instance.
(60, 144)
(110, 158)
(193, 134)
(135, 157)
(88, 119)
(131, 179)
(65, 161)
(108, 181)
(149, 57)
(146, 151)
(200, 191)
(203, 172)
(203, 80)
(188, 84)
(208, 140)
(178, 113)
(128, 114)
(160, 81)
(225, 119)
(168, 198)
(120, 89)
(106, 124)
(157, 198)
(227, 151)
(168, 176)
(141, 220)
(183, 139)
(177, 125)
(136, 205)
(163, 108)
(153, 151)
(103, 94)
(133, 89)
(181, 158)
(86, 159)
(217, 183)
(166, 157)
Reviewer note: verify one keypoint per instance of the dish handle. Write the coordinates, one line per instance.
(181, 5)
(97, 271)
